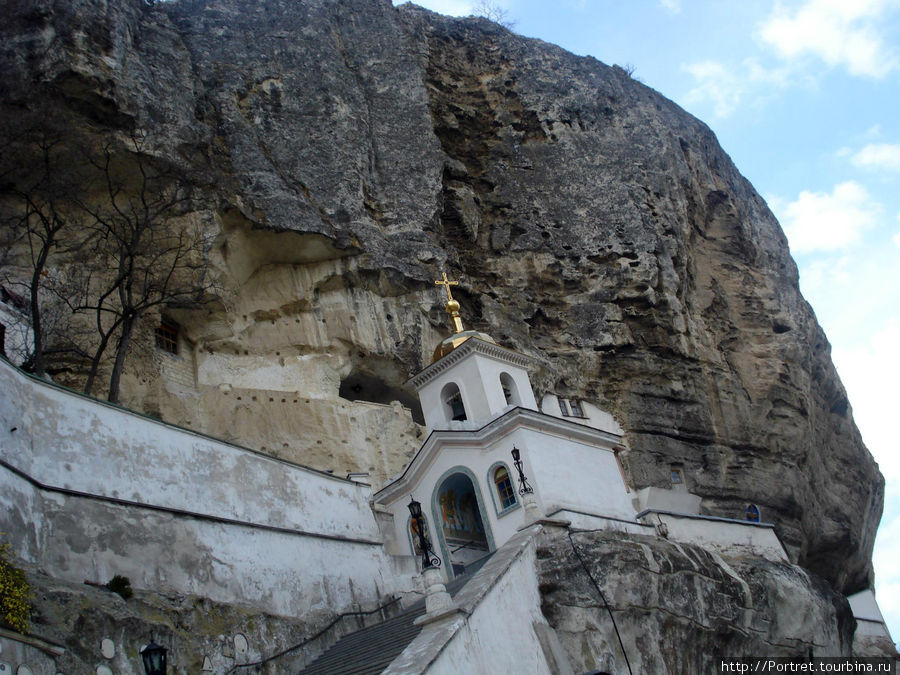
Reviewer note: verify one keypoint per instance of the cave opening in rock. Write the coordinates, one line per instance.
(363, 386)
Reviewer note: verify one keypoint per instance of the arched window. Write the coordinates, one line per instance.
(510, 391)
(752, 513)
(506, 496)
(454, 409)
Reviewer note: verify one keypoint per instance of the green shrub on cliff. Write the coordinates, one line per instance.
(15, 593)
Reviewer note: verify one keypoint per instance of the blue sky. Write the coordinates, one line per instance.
(804, 95)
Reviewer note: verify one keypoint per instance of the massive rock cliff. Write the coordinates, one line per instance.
(351, 150)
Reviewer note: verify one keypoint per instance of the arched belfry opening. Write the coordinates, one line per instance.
(460, 514)
(454, 408)
(510, 391)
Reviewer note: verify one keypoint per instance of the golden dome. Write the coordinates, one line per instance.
(455, 340)
(460, 336)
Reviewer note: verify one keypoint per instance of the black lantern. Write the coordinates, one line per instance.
(429, 559)
(154, 658)
(524, 487)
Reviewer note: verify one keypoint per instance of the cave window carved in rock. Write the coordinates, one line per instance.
(454, 408)
(167, 336)
(510, 391)
(676, 478)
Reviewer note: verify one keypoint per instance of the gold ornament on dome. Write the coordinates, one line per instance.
(460, 334)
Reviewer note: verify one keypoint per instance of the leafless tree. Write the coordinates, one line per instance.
(38, 208)
(143, 258)
(489, 9)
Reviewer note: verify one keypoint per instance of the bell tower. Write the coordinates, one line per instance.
(471, 379)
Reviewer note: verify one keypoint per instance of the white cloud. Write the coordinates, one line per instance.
(840, 32)
(887, 571)
(715, 84)
(673, 6)
(820, 221)
(725, 87)
(870, 373)
(885, 156)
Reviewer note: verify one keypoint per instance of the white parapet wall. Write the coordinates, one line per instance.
(89, 490)
(872, 633)
(499, 626)
(723, 535)
(667, 499)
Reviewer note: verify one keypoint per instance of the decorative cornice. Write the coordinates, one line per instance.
(470, 346)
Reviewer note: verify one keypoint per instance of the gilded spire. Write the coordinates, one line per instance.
(452, 306)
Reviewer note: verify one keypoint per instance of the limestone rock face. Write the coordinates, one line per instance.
(351, 150)
(680, 608)
(97, 626)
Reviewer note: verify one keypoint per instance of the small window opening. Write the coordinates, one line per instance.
(563, 408)
(504, 488)
(676, 476)
(575, 406)
(167, 336)
(752, 513)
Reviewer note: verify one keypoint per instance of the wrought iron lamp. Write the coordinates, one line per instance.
(154, 658)
(524, 487)
(429, 559)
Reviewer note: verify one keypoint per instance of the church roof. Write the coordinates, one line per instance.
(473, 341)
(456, 340)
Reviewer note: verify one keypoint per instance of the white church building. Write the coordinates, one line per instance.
(496, 468)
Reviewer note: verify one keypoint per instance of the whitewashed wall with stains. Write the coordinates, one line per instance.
(89, 490)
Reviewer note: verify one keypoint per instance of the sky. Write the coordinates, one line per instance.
(804, 95)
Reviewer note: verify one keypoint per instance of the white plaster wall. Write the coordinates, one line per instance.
(465, 375)
(865, 606)
(583, 521)
(269, 558)
(478, 379)
(577, 476)
(479, 460)
(664, 499)
(252, 371)
(15, 653)
(563, 473)
(729, 538)
(69, 441)
(594, 416)
(498, 636)
(490, 369)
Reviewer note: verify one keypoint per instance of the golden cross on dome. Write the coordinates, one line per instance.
(446, 283)
(452, 306)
